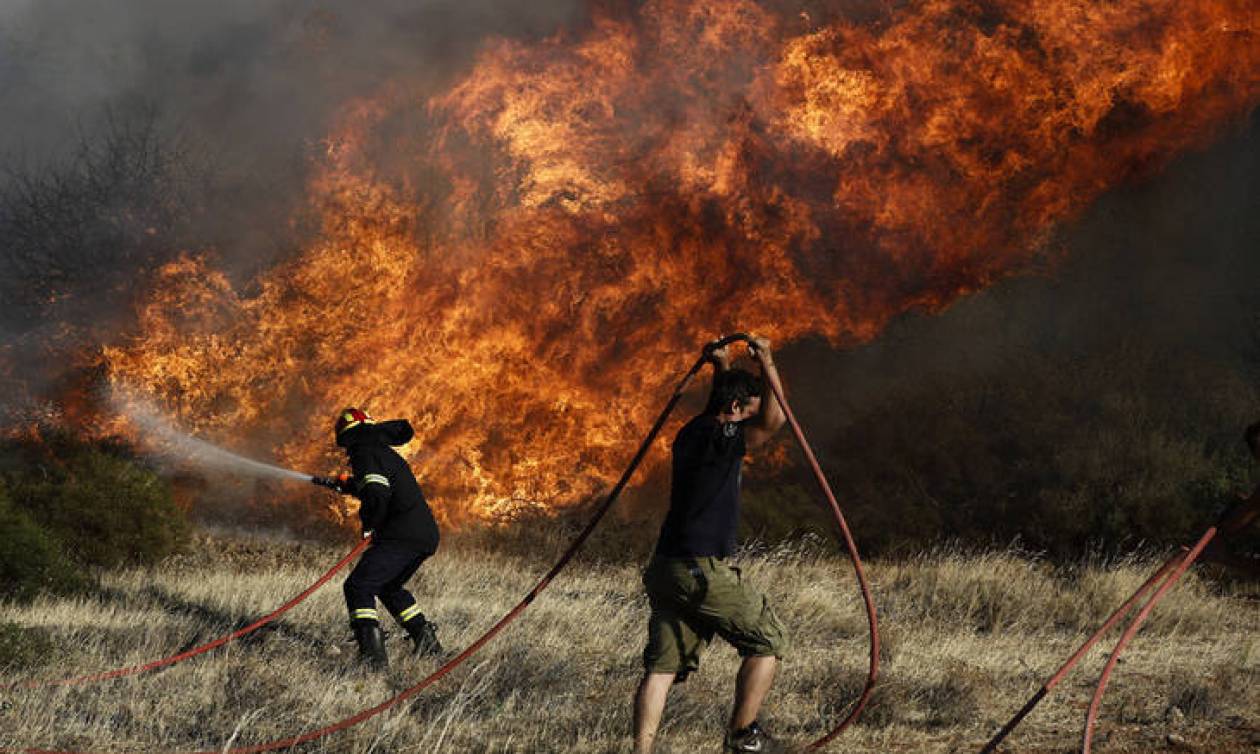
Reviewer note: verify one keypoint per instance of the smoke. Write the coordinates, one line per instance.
(138, 130)
(257, 86)
(160, 435)
(1168, 264)
(249, 86)
(254, 78)
(248, 89)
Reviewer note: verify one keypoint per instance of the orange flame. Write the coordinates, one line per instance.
(574, 216)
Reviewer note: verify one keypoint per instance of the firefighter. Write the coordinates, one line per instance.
(694, 594)
(404, 534)
(1237, 520)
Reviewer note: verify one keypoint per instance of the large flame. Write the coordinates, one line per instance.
(574, 216)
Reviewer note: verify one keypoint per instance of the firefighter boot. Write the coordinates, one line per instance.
(423, 635)
(371, 641)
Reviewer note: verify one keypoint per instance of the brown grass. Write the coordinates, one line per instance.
(968, 638)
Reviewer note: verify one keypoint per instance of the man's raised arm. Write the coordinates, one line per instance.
(771, 416)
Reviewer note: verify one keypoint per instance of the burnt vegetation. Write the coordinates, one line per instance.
(78, 230)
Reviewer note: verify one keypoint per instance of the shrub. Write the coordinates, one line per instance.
(1064, 454)
(30, 560)
(102, 506)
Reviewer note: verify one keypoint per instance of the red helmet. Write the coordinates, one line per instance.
(351, 417)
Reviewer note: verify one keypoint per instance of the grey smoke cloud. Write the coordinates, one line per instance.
(1167, 263)
(253, 78)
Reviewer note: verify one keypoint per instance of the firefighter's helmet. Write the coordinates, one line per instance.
(351, 417)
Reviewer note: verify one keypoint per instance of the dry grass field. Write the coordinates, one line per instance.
(968, 638)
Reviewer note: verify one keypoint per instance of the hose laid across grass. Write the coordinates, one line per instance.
(1087, 735)
(202, 649)
(1161, 581)
(1081, 651)
(564, 560)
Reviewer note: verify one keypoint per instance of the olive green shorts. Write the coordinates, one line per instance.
(693, 599)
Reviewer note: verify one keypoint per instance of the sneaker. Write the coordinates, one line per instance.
(754, 738)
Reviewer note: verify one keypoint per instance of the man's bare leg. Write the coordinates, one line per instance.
(756, 676)
(649, 705)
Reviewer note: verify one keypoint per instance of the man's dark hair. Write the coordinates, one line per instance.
(732, 385)
(1252, 436)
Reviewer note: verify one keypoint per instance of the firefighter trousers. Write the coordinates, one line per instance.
(382, 573)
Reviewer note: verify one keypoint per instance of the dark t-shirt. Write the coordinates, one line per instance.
(708, 456)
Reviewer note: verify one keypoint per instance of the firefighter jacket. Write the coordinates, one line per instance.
(392, 506)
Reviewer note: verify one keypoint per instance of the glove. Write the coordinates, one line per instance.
(343, 483)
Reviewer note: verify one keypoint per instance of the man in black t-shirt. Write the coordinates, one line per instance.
(694, 594)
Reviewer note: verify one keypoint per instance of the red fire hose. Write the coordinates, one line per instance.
(202, 649)
(1062, 672)
(1166, 577)
(568, 555)
(872, 619)
(1131, 631)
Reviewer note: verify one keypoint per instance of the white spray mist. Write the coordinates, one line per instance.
(164, 438)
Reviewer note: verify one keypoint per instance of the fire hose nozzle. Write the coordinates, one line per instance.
(339, 483)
